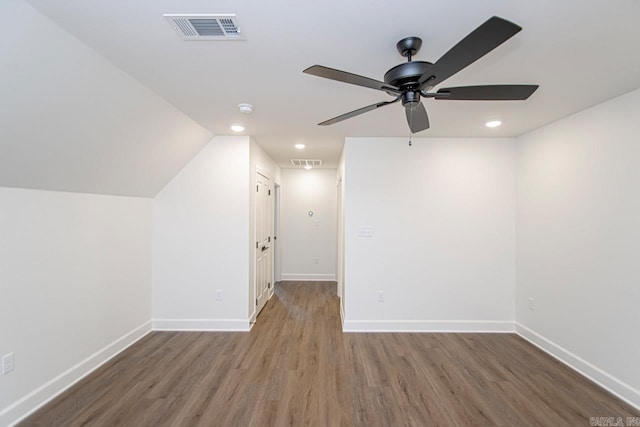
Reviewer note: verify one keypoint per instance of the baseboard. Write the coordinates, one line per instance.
(308, 277)
(428, 326)
(28, 404)
(603, 379)
(234, 325)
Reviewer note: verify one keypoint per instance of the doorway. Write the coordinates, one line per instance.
(263, 261)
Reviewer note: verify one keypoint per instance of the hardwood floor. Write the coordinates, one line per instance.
(297, 368)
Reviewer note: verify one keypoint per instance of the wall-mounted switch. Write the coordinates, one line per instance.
(532, 304)
(380, 296)
(316, 260)
(7, 363)
(219, 295)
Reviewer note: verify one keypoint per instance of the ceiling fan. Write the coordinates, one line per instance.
(413, 80)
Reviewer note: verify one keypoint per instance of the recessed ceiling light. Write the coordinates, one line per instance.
(307, 167)
(493, 124)
(237, 128)
(300, 146)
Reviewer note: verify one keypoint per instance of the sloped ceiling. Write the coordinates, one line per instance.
(72, 121)
(581, 52)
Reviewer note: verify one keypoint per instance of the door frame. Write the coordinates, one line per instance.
(277, 246)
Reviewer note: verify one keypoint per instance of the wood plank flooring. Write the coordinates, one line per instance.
(297, 368)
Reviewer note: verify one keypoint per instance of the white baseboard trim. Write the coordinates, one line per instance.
(605, 380)
(308, 277)
(28, 404)
(428, 326)
(233, 325)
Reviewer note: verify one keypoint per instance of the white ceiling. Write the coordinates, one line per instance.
(581, 52)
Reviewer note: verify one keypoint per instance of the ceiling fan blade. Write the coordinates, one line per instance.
(417, 118)
(354, 79)
(357, 112)
(487, 93)
(478, 43)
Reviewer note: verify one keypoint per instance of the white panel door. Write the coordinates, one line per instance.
(263, 242)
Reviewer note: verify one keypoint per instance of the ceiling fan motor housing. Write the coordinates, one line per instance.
(407, 74)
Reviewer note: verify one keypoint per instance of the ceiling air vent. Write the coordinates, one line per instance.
(206, 27)
(306, 162)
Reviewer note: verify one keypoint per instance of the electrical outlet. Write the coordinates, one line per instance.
(219, 295)
(380, 296)
(316, 260)
(7, 363)
(532, 304)
(365, 231)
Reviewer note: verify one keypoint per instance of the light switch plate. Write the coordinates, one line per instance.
(7, 363)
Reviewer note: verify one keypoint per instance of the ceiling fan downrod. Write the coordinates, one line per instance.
(409, 46)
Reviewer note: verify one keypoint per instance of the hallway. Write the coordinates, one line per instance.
(297, 368)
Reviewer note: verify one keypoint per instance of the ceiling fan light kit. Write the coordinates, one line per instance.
(413, 80)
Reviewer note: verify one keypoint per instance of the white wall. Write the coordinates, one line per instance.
(75, 288)
(70, 120)
(200, 241)
(442, 250)
(578, 223)
(259, 160)
(305, 238)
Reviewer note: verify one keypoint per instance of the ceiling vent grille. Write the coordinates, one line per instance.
(306, 162)
(206, 27)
